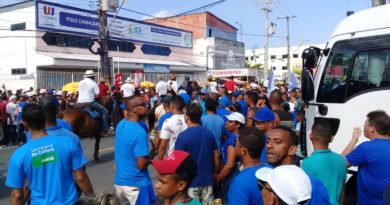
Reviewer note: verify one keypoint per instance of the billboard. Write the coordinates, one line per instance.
(59, 18)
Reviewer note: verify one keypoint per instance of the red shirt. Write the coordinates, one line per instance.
(230, 85)
(3, 112)
(103, 88)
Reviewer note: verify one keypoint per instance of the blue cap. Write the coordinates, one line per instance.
(264, 114)
(186, 98)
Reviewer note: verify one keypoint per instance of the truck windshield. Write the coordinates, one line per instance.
(355, 66)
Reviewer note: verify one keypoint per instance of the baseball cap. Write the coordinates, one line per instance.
(12, 97)
(289, 182)
(264, 114)
(186, 98)
(236, 116)
(171, 163)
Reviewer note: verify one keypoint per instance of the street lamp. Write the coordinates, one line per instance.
(240, 24)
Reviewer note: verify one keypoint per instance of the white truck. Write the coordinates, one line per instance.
(349, 77)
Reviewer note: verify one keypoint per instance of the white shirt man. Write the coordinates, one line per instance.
(88, 89)
(171, 128)
(128, 88)
(213, 87)
(172, 84)
(161, 88)
(11, 110)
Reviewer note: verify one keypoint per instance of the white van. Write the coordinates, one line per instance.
(352, 76)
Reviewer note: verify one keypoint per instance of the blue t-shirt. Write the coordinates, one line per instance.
(373, 159)
(21, 106)
(203, 106)
(319, 193)
(200, 143)
(60, 124)
(64, 124)
(131, 142)
(48, 164)
(229, 142)
(144, 126)
(162, 119)
(224, 101)
(223, 112)
(244, 188)
(244, 107)
(216, 125)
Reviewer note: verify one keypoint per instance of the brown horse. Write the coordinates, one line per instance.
(83, 125)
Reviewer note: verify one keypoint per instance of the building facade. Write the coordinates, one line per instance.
(277, 59)
(43, 58)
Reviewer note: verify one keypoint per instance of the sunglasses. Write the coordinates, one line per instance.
(261, 185)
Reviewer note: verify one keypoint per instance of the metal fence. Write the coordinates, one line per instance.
(56, 78)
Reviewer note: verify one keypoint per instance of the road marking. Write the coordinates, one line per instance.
(103, 150)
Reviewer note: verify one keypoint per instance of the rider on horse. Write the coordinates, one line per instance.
(88, 92)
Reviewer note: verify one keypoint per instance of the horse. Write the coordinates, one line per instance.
(83, 125)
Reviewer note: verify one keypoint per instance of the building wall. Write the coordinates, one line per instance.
(277, 59)
(201, 24)
(217, 53)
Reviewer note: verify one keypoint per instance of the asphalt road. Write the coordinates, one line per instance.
(101, 173)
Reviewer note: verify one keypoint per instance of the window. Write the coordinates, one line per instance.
(273, 67)
(295, 56)
(246, 58)
(18, 71)
(252, 58)
(273, 57)
(284, 56)
(355, 66)
(284, 67)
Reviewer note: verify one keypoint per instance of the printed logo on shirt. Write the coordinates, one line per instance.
(43, 155)
(83, 86)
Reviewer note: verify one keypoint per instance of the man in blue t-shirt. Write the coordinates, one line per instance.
(201, 144)
(244, 189)
(132, 181)
(281, 146)
(214, 122)
(372, 157)
(48, 163)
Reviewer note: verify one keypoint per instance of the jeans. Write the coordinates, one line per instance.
(10, 135)
(103, 113)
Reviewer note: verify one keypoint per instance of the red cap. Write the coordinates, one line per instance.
(170, 163)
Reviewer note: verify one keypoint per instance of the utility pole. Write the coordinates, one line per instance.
(103, 35)
(266, 34)
(240, 24)
(288, 43)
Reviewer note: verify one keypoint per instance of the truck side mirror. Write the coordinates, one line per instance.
(307, 86)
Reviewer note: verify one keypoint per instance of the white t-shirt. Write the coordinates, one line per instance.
(159, 111)
(88, 89)
(128, 90)
(171, 128)
(213, 87)
(161, 88)
(11, 109)
(174, 86)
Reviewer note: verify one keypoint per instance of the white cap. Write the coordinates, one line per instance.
(41, 91)
(32, 93)
(236, 116)
(89, 73)
(289, 182)
(182, 92)
(146, 90)
(129, 80)
(59, 92)
(12, 97)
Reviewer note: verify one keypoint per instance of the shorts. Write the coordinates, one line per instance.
(136, 195)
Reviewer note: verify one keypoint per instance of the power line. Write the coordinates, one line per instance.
(200, 8)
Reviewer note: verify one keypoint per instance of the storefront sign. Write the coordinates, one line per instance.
(156, 68)
(231, 72)
(59, 18)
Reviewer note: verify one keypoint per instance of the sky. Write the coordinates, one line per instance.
(314, 22)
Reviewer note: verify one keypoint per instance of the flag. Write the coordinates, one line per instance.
(271, 83)
(293, 81)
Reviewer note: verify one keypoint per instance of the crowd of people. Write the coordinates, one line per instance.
(219, 143)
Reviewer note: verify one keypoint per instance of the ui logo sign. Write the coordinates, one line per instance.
(47, 10)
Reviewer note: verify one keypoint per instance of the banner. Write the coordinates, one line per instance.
(60, 18)
(118, 79)
(156, 68)
(137, 78)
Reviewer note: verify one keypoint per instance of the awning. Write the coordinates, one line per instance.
(84, 61)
